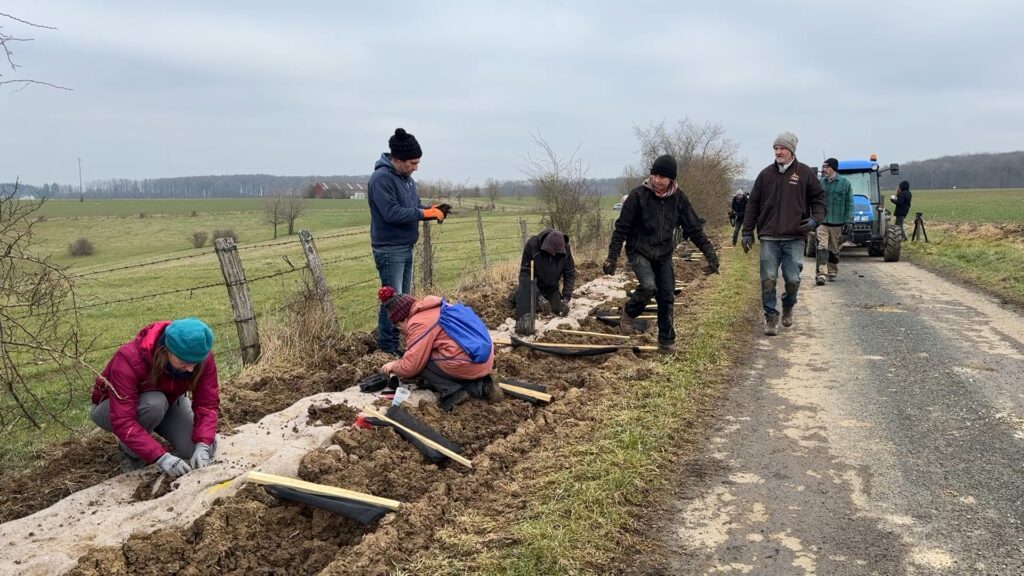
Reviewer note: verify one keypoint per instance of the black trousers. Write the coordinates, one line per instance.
(454, 390)
(657, 279)
(520, 299)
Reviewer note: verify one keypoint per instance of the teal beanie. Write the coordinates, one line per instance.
(190, 339)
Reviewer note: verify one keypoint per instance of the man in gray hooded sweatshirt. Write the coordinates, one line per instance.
(650, 214)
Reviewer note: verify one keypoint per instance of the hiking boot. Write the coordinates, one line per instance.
(493, 393)
(771, 325)
(625, 322)
(831, 277)
(787, 317)
(666, 347)
(130, 463)
(820, 280)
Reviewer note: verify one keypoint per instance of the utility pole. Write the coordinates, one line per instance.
(81, 191)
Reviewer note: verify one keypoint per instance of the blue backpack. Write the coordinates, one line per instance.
(467, 329)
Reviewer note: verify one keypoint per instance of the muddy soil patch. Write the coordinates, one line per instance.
(67, 467)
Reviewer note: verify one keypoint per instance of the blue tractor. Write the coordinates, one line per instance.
(872, 227)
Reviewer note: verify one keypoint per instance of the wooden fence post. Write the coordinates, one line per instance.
(522, 231)
(241, 301)
(319, 279)
(428, 258)
(480, 231)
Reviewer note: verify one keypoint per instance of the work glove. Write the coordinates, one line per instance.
(808, 225)
(434, 213)
(712, 266)
(747, 243)
(847, 228)
(202, 456)
(608, 267)
(443, 208)
(524, 326)
(565, 308)
(173, 466)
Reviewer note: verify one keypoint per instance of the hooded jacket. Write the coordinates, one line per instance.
(548, 268)
(128, 372)
(902, 202)
(426, 340)
(395, 209)
(779, 201)
(646, 223)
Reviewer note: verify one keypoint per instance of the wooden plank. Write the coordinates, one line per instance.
(321, 489)
(525, 391)
(454, 456)
(620, 336)
(593, 346)
(501, 341)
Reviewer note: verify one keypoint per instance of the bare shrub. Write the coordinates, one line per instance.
(142, 214)
(81, 247)
(39, 323)
(708, 163)
(194, 214)
(224, 233)
(569, 203)
(199, 238)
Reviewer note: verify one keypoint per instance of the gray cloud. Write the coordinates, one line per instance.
(201, 88)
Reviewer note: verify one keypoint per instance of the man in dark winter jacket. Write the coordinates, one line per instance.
(551, 259)
(902, 202)
(395, 214)
(786, 204)
(736, 212)
(646, 223)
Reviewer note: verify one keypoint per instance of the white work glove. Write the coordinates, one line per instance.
(202, 456)
(173, 466)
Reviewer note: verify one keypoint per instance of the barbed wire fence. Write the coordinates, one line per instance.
(443, 256)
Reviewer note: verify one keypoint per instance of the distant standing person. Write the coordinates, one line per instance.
(786, 203)
(902, 202)
(736, 213)
(648, 219)
(395, 214)
(163, 381)
(838, 218)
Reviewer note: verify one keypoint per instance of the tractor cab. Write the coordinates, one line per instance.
(871, 221)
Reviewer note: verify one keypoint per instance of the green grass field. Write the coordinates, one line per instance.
(1006, 205)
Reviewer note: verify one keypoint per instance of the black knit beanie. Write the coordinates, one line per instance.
(665, 165)
(904, 185)
(833, 163)
(404, 146)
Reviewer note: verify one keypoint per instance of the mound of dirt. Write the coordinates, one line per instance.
(248, 531)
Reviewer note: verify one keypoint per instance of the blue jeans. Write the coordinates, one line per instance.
(789, 254)
(394, 264)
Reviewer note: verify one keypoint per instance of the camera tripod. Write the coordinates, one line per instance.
(919, 228)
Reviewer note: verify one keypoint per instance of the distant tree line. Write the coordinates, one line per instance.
(265, 185)
(998, 170)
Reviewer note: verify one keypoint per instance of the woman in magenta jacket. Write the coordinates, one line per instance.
(146, 387)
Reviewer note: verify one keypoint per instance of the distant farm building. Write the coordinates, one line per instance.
(337, 190)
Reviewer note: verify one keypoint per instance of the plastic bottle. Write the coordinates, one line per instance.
(401, 395)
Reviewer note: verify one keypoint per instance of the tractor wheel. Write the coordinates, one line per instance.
(893, 241)
(811, 245)
(875, 249)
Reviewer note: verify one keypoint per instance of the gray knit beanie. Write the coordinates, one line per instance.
(786, 140)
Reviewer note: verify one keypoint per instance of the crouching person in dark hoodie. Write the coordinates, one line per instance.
(548, 257)
(431, 352)
(646, 223)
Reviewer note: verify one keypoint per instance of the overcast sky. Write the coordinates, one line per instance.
(316, 87)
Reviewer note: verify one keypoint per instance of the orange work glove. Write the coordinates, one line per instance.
(433, 213)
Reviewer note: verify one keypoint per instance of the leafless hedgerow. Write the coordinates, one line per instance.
(569, 203)
(708, 163)
(39, 324)
(7, 42)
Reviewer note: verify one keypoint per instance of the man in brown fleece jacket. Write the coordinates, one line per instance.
(785, 204)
